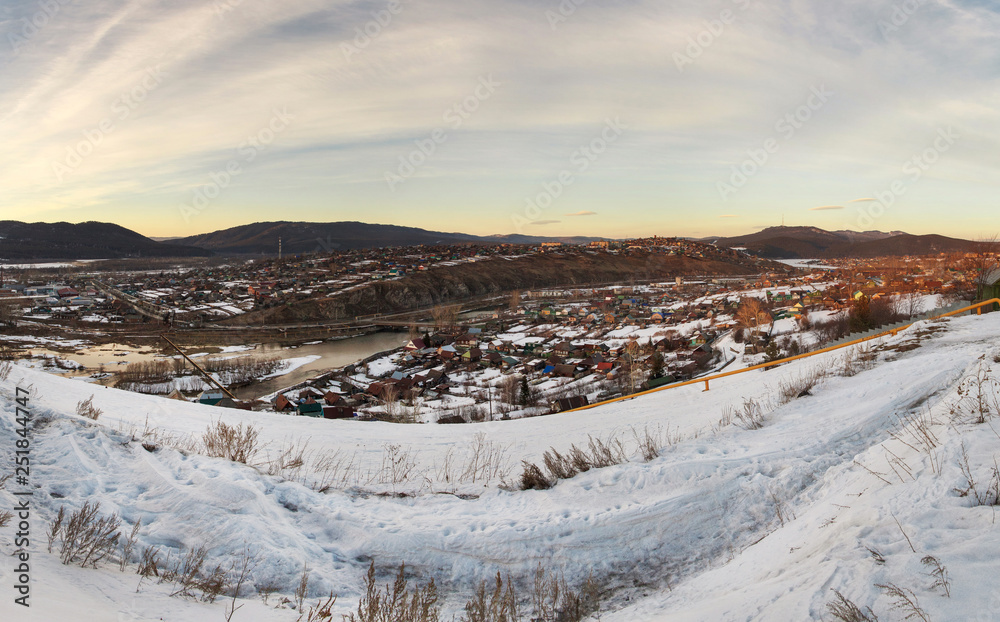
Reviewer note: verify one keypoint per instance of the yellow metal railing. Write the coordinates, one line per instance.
(978, 307)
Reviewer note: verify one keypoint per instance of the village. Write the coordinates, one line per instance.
(535, 353)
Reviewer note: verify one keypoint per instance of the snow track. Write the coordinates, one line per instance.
(728, 524)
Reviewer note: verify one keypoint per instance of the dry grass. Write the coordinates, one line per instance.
(86, 537)
(498, 604)
(86, 408)
(857, 360)
(981, 495)
(791, 389)
(553, 601)
(978, 396)
(235, 443)
(5, 368)
(192, 575)
(398, 602)
(749, 417)
(846, 611)
(904, 601)
(938, 573)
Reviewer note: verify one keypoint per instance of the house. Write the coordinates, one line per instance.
(569, 403)
(310, 408)
(211, 398)
(338, 412)
(281, 404)
(332, 399)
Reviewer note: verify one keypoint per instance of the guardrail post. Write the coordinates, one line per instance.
(706, 385)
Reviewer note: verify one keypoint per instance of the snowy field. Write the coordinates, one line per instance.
(845, 488)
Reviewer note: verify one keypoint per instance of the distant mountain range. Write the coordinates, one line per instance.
(311, 237)
(814, 243)
(20, 241)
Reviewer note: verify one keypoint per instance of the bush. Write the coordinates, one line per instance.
(86, 408)
(85, 537)
(532, 478)
(499, 604)
(236, 443)
(397, 603)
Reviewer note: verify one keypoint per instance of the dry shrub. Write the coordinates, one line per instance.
(86, 408)
(129, 545)
(606, 453)
(978, 396)
(553, 601)
(236, 443)
(559, 466)
(86, 538)
(322, 610)
(398, 602)
(651, 440)
(905, 601)
(857, 360)
(846, 611)
(938, 573)
(5, 368)
(988, 495)
(499, 604)
(191, 575)
(149, 562)
(750, 416)
(532, 478)
(791, 389)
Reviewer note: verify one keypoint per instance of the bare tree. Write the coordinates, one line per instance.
(981, 263)
(751, 315)
(515, 300)
(445, 316)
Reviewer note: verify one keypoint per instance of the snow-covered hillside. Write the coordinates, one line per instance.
(845, 488)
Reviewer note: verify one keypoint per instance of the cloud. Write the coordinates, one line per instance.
(825, 208)
(225, 71)
(544, 222)
(583, 213)
(861, 200)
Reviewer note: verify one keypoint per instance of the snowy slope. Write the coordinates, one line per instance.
(727, 524)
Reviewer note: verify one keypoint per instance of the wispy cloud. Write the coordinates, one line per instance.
(225, 71)
(544, 222)
(583, 213)
(824, 208)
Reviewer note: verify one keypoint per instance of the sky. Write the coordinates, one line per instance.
(614, 118)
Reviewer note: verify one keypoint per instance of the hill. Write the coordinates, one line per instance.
(815, 243)
(498, 276)
(87, 240)
(312, 237)
(864, 481)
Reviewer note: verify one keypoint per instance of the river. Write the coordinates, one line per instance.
(326, 354)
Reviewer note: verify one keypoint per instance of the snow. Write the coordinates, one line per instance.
(695, 534)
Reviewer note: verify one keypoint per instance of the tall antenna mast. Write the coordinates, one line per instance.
(279, 248)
